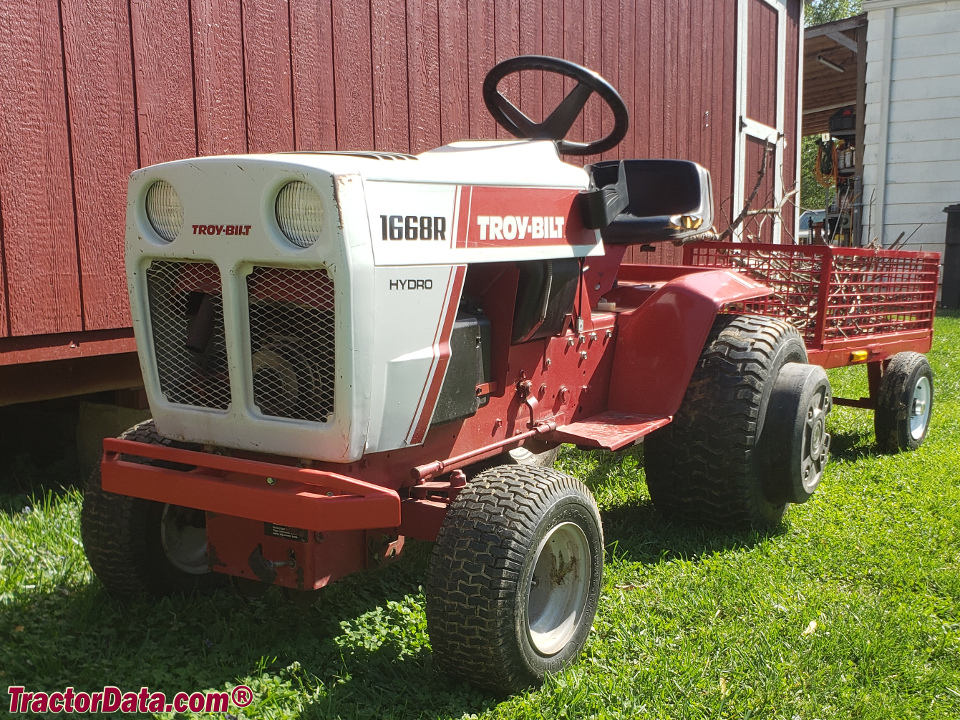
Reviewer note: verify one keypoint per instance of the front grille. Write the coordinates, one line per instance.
(292, 342)
(186, 319)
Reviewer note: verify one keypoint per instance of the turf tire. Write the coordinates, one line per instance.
(482, 610)
(122, 537)
(705, 467)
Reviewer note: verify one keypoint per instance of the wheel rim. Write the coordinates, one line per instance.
(558, 588)
(817, 441)
(183, 534)
(920, 408)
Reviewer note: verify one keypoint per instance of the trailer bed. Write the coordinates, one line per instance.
(851, 305)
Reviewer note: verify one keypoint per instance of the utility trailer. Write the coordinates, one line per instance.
(343, 350)
(852, 306)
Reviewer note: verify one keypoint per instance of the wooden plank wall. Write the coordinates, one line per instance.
(92, 90)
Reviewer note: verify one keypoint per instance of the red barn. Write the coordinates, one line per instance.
(92, 90)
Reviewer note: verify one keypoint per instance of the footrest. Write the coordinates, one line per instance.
(609, 430)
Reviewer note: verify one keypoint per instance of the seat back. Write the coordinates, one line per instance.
(666, 199)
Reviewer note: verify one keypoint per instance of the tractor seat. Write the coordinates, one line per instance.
(643, 201)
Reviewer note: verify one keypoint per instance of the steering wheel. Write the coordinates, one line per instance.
(558, 124)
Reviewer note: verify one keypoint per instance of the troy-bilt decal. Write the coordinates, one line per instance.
(454, 224)
(502, 217)
(413, 227)
(516, 227)
(411, 284)
(221, 229)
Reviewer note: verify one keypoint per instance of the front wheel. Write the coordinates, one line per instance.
(514, 578)
(904, 402)
(138, 546)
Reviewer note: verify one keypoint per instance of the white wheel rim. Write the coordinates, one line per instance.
(184, 544)
(558, 588)
(920, 408)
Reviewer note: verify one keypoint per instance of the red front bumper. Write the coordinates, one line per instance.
(279, 494)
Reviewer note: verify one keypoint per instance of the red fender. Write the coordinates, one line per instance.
(659, 343)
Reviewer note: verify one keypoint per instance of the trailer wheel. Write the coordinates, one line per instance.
(705, 466)
(904, 402)
(514, 578)
(138, 546)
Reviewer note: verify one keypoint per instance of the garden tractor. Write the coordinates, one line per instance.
(346, 350)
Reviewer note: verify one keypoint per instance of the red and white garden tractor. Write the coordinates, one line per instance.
(342, 350)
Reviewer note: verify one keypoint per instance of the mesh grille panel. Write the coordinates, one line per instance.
(186, 318)
(292, 342)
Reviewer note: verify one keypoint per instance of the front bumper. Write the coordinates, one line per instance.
(280, 494)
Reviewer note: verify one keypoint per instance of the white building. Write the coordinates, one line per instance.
(911, 146)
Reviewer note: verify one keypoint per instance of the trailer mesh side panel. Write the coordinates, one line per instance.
(833, 294)
(186, 320)
(878, 294)
(292, 347)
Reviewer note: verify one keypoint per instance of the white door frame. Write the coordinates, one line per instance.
(751, 128)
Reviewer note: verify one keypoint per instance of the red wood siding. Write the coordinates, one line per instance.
(762, 62)
(41, 270)
(92, 90)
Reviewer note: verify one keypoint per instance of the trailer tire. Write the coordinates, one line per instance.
(514, 578)
(904, 403)
(126, 539)
(705, 466)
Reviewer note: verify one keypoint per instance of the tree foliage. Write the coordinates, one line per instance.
(824, 11)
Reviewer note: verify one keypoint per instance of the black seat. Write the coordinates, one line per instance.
(666, 200)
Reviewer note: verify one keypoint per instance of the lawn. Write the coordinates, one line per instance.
(850, 610)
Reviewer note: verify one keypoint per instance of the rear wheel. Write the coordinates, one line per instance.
(795, 444)
(138, 546)
(514, 578)
(904, 403)
(705, 466)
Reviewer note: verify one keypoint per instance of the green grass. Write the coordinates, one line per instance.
(850, 610)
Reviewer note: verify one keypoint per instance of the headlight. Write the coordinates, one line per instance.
(300, 213)
(164, 210)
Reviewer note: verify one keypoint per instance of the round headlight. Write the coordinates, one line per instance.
(164, 210)
(300, 213)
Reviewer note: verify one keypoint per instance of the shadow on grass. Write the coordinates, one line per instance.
(21, 480)
(634, 530)
(358, 652)
(638, 533)
(852, 446)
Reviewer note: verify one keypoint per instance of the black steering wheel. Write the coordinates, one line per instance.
(558, 124)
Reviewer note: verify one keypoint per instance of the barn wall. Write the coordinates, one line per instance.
(92, 90)
(911, 153)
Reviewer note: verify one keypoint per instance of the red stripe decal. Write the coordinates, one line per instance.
(463, 219)
(442, 358)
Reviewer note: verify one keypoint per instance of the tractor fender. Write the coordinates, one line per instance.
(659, 343)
